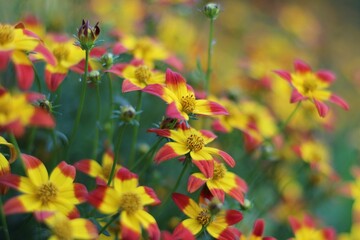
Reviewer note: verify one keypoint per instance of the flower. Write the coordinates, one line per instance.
(211, 10)
(14, 121)
(43, 193)
(94, 169)
(5, 163)
(181, 98)
(64, 228)
(130, 199)
(15, 42)
(67, 55)
(201, 217)
(87, 35)
(307, 230)
(313, 86)
(257, 233)
(140, 76)
(192, 142)
(220, 183)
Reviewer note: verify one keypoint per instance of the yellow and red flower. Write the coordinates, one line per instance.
(129, 198)
(67, 55)
(201, 217)
(15, 43)
(306, 229)
(220, 183)
(5, 163)
(257, 233)
(181, 98)
(309, 85)
(192, 142)
(43, 193)
(94, 169)
(13, 120)
(64, 228)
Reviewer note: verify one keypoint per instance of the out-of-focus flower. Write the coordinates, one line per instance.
(220, 183)
(43, 193)
(87, 35)
(94, 169)
(309, 85)
(192, 142)
(181, 98)
(201, 217)
(353, 235)
(14, 121)
(15, 44)
(64, 228)
(130, 199)
(5, 163)
(257, 233)
(306, 229)
(67, 55)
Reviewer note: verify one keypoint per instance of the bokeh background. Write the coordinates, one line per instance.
(252, 39)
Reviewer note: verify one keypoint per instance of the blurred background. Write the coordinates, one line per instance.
(252, 39)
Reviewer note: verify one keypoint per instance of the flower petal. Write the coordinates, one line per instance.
(22, 204)
(187, 229)
(130, 226)
(35, 170)
(208, 136)
(170, 150)
(209, 108)
(54, 79)
(63, 175)
(326, 76)
(205, 166)
(195, 181)
(283, 74)
(148, 195)
(186, 205)
(176, 83)
(172, 111)
(339, 101)
(19, 183)
(83, 229)
(24, 70)
(296, 96)
(105, 199)
(225, 156)
(149, 223)
(125, 181)
(41, 118)
(321, 107)
(301, 66)
(89, 167)
(128, 86)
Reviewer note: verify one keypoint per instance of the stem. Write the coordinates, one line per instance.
(186, 164)
(210, 51)
(136, 130)
(16, 145)
(151, 151)
(3, 220)
(116, 155)
(37, 79)
(98, 114)
(292, 114)
(82, 99)
(110, 133)
(112, 219)
(31, 139)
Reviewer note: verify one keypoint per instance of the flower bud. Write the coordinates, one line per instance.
(107, 60)
(94, 77)
(127, 113)
(211, 10)
(247, 205)
(87, 35)
(46, 105)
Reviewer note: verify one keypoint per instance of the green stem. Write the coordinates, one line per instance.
(97, 124)
(116, 154)
(150, 152)
(56, 153)
(17, 148)
(37, 79)
(186, 164)
(292, 114)
(112, 219)
(136, 130)
(111, 107)
(82, 100)
(3, 220)
(31, 139)
(210, 52)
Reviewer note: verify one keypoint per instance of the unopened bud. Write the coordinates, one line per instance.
(94, 77)
(107, 60)
(87, 35)
(247, 204)
(127, 113)
(212, 10)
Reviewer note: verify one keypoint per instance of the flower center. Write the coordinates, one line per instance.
(130, 202)
(219, 171)
(188, 103)
(143, 73)
(309, 85)
(195, 142)
(47, 193)
(62, 230)
(7, 34)
(204, 217)
(61, 52)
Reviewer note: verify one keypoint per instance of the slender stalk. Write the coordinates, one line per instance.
(3, 221)
(292, 114)
(210, 52)
(98, 115)
(82, 100)
(31, 139)
(136, 130)
(116, 154)
(111, 106)
(112, 219)
(17, 148)
(143, 157)
(37, 79)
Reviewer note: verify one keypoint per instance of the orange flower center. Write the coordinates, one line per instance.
(143, 73)
(7, 34)
(195, 142)
(188, 103)
(62, 230)
(219, 171)
(47, 193)
(204, 217)
(61, 52)
(130, 202)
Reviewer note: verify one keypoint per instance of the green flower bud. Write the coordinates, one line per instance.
(127, 113)
(107, 60)
(94, 77)
(212, 10)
